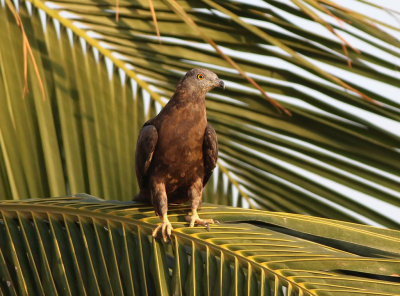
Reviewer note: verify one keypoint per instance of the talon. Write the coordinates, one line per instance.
(166, 230)
(195, 219)
(156, 230)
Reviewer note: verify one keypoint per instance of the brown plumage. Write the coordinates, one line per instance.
(177, 150)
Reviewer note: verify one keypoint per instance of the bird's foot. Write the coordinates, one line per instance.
(166, 229)
(195, 219)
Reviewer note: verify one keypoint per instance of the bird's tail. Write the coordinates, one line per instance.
(140, 197)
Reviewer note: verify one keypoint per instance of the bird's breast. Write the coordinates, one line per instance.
(180, 145)
(182, 138)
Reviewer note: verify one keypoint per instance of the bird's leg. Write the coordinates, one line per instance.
(160, 202)
(166, 228)
(195, 219)
(195, 194)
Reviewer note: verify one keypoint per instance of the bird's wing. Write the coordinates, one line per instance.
(210, 152)
(145, 147)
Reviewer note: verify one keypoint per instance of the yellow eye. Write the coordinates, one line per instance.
(200, 76)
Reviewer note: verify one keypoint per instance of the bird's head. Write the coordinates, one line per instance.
(200, 81)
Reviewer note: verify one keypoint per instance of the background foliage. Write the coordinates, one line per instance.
(104, 74)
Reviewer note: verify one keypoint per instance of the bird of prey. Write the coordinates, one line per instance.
(177, 150)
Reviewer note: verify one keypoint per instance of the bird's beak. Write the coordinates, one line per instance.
(221, 84)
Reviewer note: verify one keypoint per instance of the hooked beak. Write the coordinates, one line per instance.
(221, 84)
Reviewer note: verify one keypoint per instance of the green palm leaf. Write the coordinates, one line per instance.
(82, 137)
(86, 246)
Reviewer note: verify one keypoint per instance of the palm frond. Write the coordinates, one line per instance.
(83, 245)
(337, 151)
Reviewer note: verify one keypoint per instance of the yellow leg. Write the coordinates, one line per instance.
(166, 229)
(195, 219)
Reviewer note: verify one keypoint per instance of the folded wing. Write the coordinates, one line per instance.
(145, 147)
(210, 152)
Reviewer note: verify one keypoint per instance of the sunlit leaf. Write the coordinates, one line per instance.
(335, 157)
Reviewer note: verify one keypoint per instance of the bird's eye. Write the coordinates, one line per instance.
(200, 76)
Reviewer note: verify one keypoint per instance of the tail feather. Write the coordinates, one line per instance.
(140, 197)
